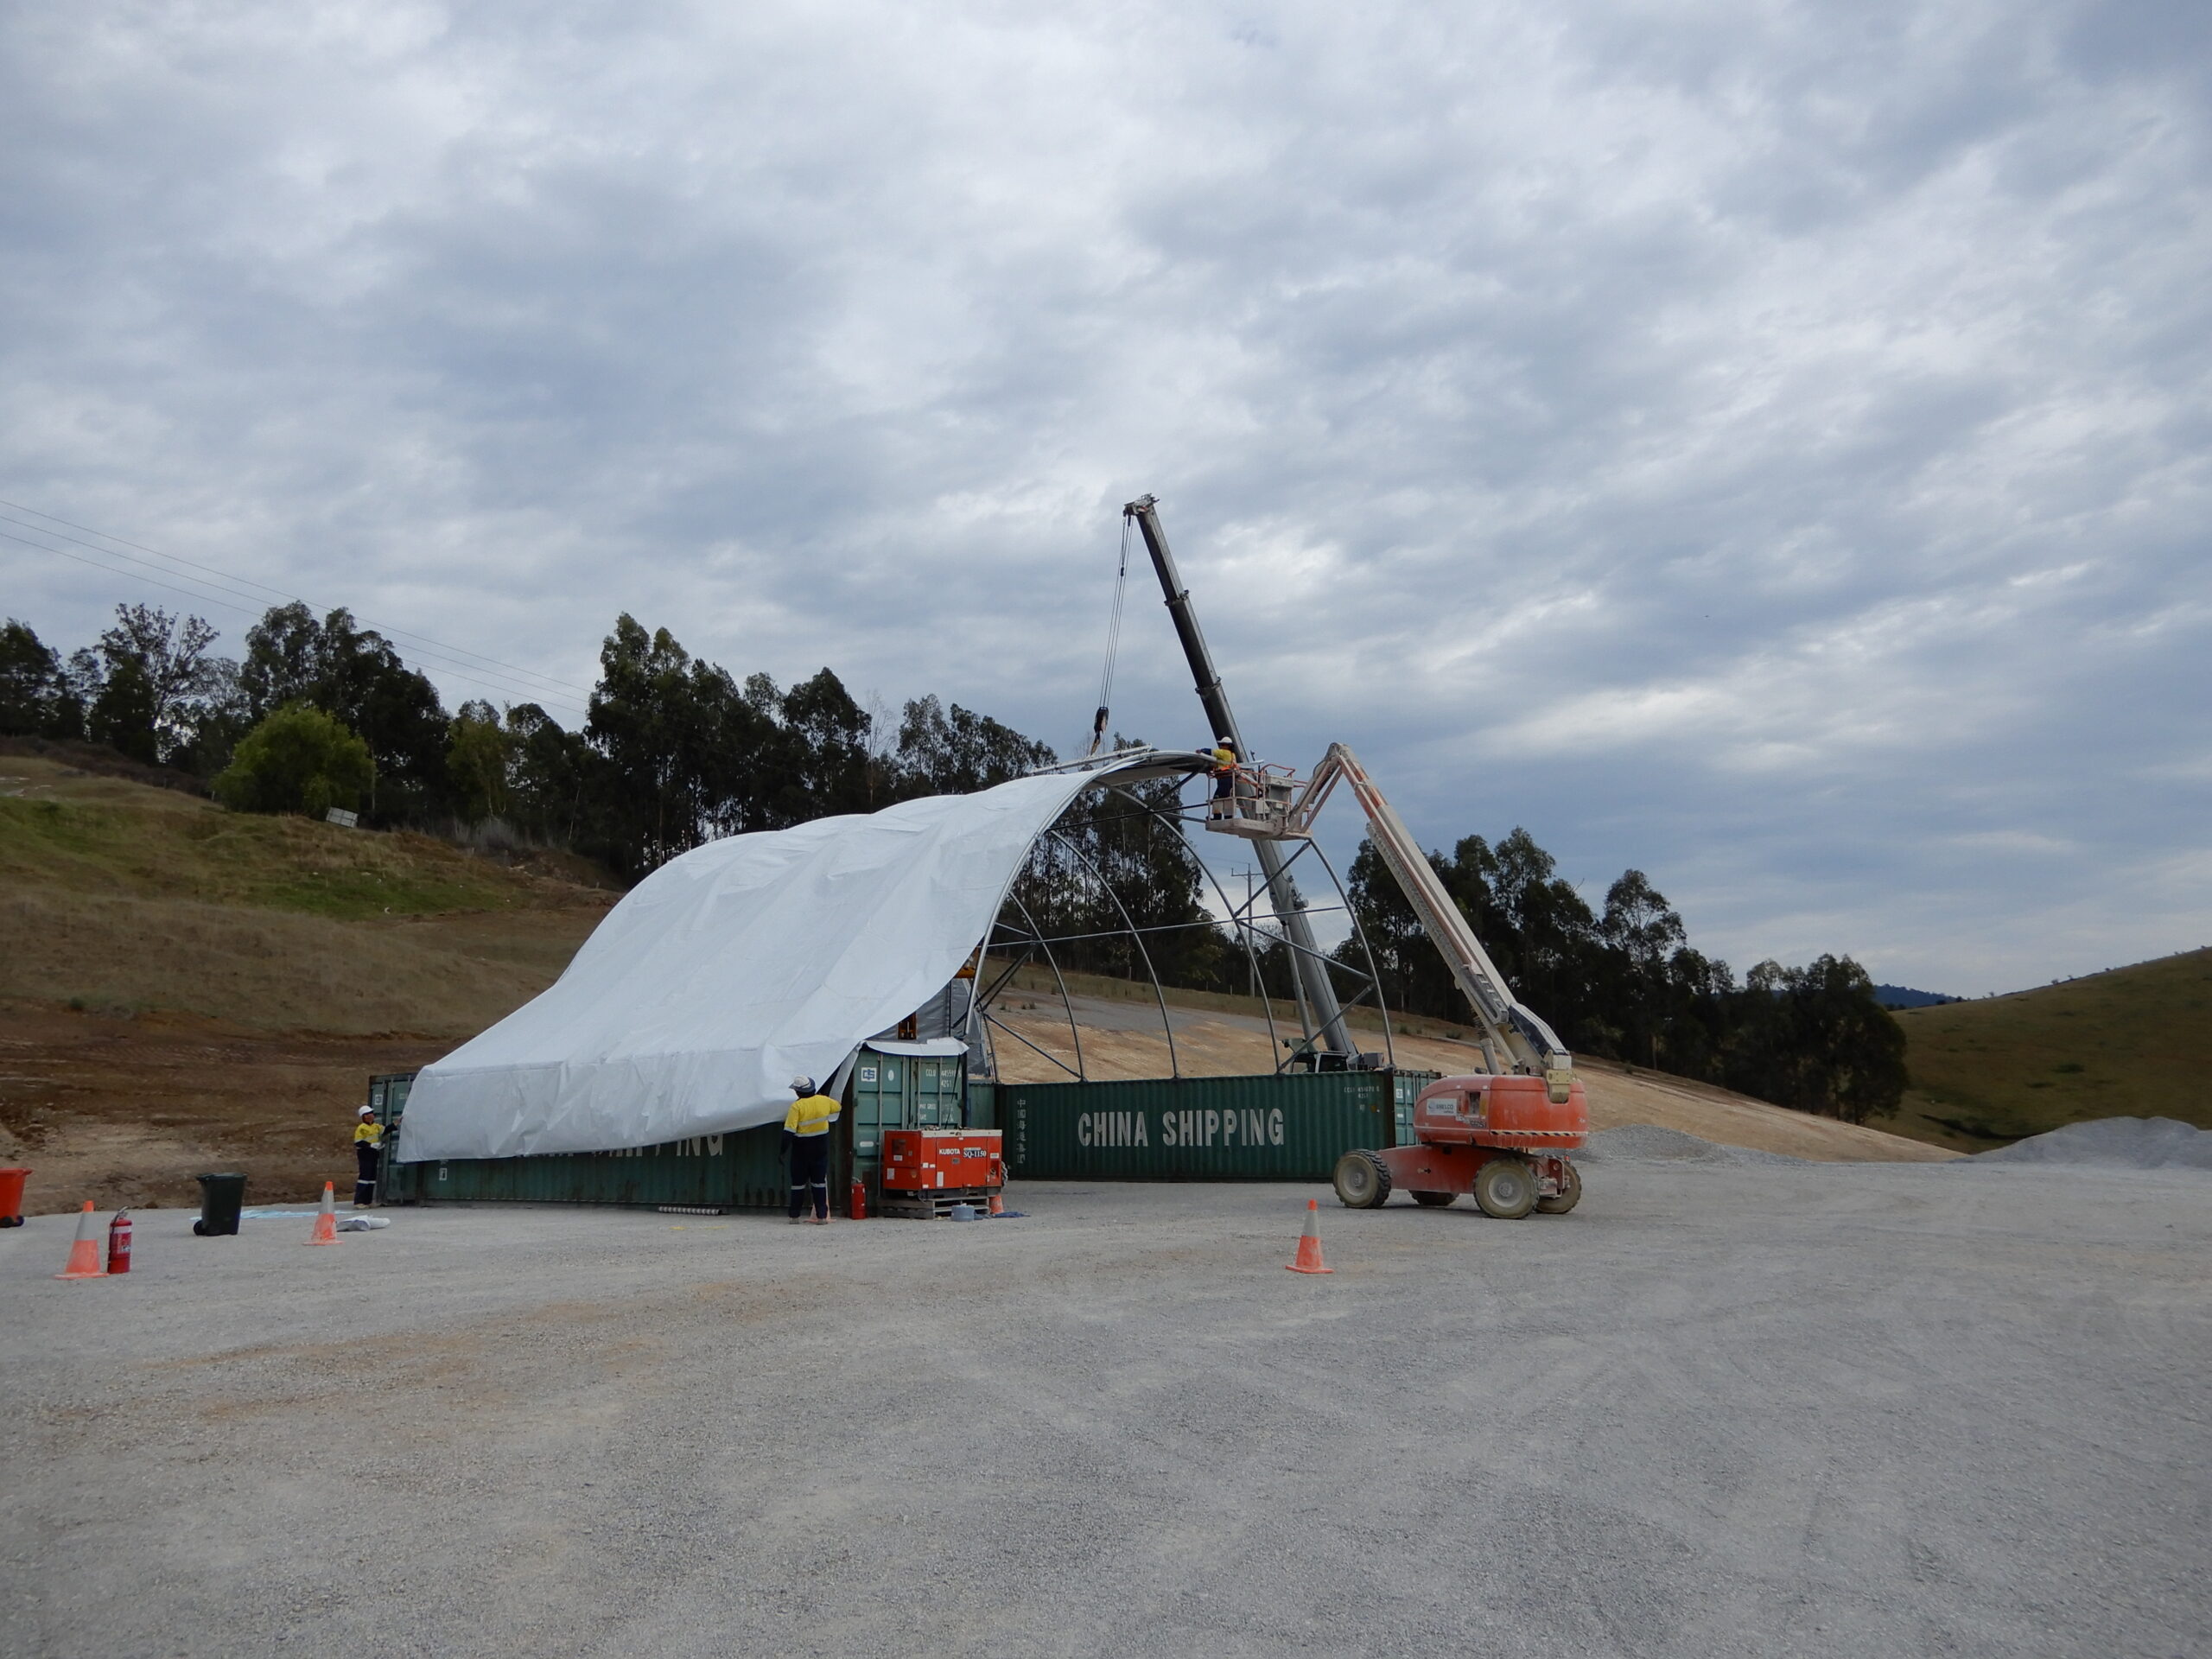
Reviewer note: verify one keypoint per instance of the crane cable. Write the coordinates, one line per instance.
(1113, 645)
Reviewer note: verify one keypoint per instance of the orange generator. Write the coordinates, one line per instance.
(926, 1172)
(1503, 1139)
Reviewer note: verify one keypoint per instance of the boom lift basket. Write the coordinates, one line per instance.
(1261, 807)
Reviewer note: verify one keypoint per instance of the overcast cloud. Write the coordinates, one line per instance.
(1764, 444)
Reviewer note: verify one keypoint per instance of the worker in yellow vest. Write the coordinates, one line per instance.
(368, 1149)
(806, 1136)
(1224, 757)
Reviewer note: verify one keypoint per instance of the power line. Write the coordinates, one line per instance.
(525, 674)
(473, 677)
(248, 581)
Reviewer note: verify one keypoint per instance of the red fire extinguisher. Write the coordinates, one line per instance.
(856, 1201)
(119, 1242)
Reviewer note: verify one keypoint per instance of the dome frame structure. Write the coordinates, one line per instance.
(756, 958)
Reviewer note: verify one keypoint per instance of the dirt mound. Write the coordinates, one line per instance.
(1651, 1143)
(2113, 1143)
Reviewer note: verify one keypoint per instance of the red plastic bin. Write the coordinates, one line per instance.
(11, 1197)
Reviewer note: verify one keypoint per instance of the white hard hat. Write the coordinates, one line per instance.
(803, 1084)
(368, 1111)
(1223, 741)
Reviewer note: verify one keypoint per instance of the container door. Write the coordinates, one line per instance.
(1403, 1092)
(879, 1085)
(928, 1102)
(395, 1182)
(874, 1111)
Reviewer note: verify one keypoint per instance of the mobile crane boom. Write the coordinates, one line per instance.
(1310, 967)
(1507, 1025)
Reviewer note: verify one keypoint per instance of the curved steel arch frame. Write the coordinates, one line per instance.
(1373, 976)
(1167, 1025)
(982, 1022)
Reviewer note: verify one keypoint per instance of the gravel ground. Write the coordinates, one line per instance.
(1846, 1409)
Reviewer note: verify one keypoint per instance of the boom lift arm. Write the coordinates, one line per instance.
(1507, 1025)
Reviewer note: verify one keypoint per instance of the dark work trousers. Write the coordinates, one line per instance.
(364, 1172)
(810, 1168)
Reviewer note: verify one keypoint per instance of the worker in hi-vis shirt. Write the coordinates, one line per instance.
(806, 1134)
(368, 1148)
(1224, 757)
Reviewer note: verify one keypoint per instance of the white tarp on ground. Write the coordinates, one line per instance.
(729, 970)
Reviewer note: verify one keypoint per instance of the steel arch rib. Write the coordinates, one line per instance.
(1174, 1066)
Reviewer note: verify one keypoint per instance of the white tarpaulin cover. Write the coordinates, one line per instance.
(729, 970)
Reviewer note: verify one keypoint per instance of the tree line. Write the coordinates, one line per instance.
(675, 751)
(321, 712)
(1625, 983)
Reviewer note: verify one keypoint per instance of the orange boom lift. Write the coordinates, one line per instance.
(1503, 1133)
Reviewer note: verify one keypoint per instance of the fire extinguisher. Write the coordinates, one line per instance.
(856, 1201)
(119, 1242)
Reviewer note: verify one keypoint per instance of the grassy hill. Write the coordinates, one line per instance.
(2134, 1042)
(119, 898)
(184, 989)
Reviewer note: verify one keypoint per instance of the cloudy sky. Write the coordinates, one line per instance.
(1765, 444)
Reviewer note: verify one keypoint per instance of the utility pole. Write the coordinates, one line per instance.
(1325, 1019)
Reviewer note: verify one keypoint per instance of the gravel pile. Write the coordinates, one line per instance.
(1648, 1143)
(2113, 1143)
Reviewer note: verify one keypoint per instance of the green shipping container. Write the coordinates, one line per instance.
(744, 1171)
(894, 1091)
(1293, 1126)
(1404, 1091)
(982, 1105)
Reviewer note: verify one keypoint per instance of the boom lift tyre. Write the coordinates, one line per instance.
(1363, 1181)
(1505, 1188)
(1435, 1200)
(1570, 1194)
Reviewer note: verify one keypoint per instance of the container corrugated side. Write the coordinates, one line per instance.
(744, 1171)
(1291, 1126)
(982, 1107)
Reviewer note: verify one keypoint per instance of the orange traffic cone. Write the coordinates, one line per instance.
(1309, 1243)
(85, 1253)
(325, 1224)
(998, 1205)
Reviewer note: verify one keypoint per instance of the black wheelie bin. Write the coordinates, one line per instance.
(221, 1197)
